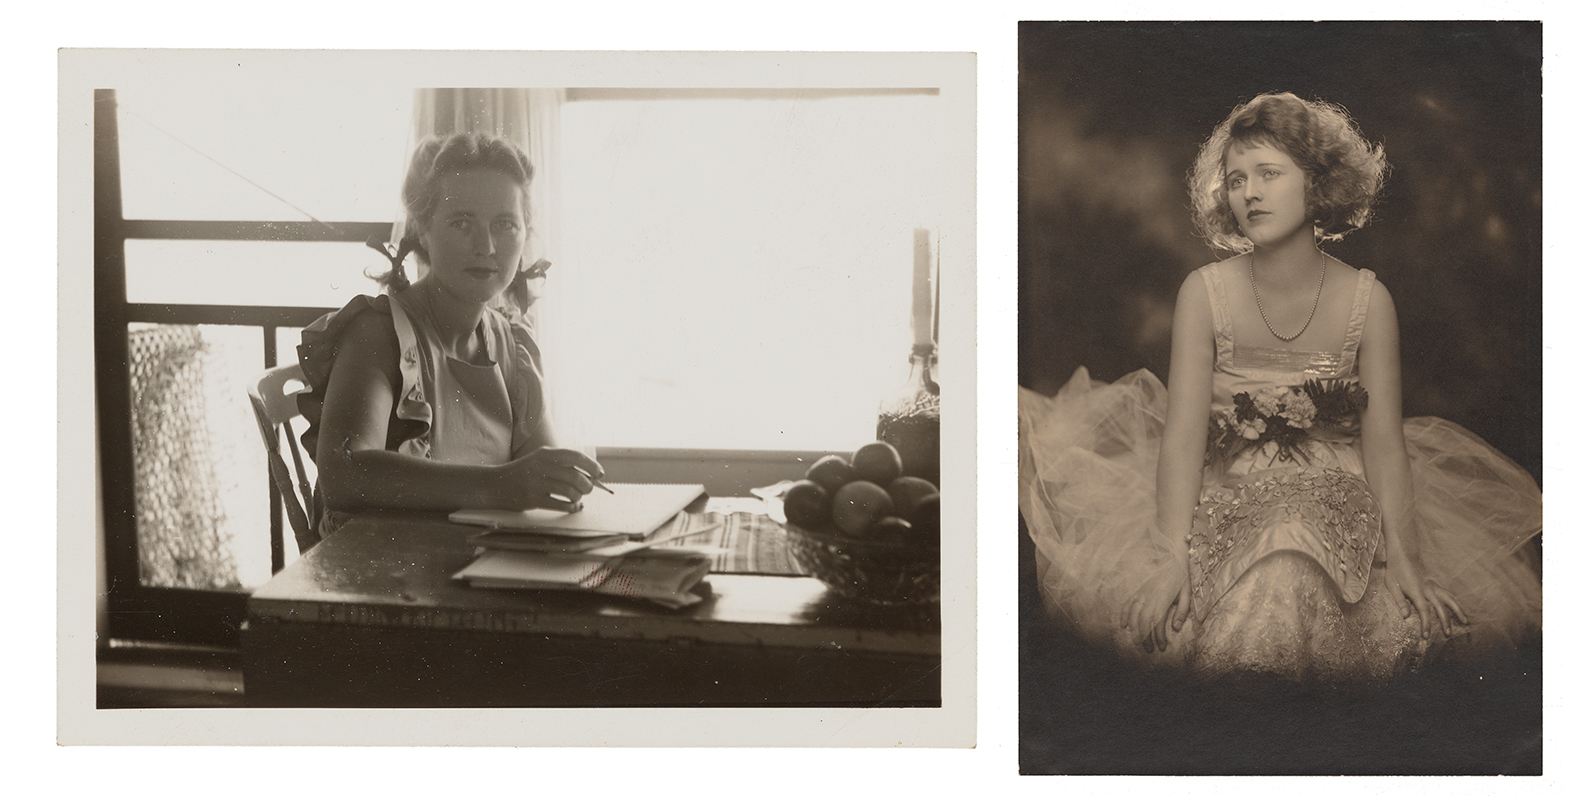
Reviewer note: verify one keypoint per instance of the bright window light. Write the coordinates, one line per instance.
(252, 273)
(738, 272)
(731, 273)
(331, 155)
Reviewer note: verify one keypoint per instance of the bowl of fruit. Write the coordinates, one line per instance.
(864, 528)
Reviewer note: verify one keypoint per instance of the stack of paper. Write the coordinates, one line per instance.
(531, 542)
(595, 549)
(663, 575)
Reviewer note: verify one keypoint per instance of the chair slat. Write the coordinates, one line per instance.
(302, 482)
(273, 409)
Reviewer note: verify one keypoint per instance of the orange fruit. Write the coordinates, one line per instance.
(806, 504)
(831, 472)
(858, 504)
(877, 462)
(907, 491)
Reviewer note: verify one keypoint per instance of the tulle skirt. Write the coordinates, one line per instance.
(1088, 463)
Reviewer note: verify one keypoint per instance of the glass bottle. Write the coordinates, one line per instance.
(908, 419)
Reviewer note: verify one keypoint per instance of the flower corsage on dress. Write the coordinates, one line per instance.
(1289, 416)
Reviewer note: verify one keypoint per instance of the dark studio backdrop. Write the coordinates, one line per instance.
(1111, 118)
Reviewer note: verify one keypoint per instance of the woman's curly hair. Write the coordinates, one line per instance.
(1343, 171)
(440, 155)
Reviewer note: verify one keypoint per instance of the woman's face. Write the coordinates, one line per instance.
(1266, 191)
(477, 234)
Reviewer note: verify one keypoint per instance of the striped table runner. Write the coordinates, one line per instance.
(753, 542)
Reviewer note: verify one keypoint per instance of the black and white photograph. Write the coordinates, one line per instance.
(500, 381)
(1280, 398)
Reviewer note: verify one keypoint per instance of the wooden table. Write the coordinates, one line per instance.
(370, 618)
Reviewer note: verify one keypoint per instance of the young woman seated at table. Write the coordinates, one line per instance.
(427, 397)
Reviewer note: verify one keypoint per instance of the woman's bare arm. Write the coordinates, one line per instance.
(1183, 449)
(1179, 461)
(1387, 465)
(357, 473)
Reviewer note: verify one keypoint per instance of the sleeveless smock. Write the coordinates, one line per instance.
(446, 409)
(1286, 562)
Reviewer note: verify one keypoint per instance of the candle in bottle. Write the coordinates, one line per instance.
(921, 288)
(908, 419)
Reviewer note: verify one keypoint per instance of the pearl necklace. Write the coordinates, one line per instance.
(1324, 258)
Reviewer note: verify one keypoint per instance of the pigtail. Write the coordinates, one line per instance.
(394, 280)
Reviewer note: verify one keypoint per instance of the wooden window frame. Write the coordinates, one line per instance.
(136, 611)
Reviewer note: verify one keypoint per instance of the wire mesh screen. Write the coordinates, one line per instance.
(201, 483)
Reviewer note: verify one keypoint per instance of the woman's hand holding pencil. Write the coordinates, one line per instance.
(591, 452)
(553, 478)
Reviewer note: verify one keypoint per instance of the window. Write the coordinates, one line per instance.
(731, 253)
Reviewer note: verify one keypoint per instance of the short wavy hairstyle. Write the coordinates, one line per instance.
(1343, 171)
(439, 155)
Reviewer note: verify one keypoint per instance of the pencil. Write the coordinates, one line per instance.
(595, 482)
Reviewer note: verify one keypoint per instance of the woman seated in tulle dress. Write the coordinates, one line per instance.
(1271, 510)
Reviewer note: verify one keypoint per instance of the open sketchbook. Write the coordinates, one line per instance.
(634, 510)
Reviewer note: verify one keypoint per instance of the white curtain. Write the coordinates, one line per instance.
(529, 118)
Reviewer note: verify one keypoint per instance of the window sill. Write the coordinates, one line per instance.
(724, 473)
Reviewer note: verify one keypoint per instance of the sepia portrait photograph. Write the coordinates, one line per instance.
(1280, 398)
(505, 382)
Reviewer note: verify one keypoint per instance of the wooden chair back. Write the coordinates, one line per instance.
(274, 405)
